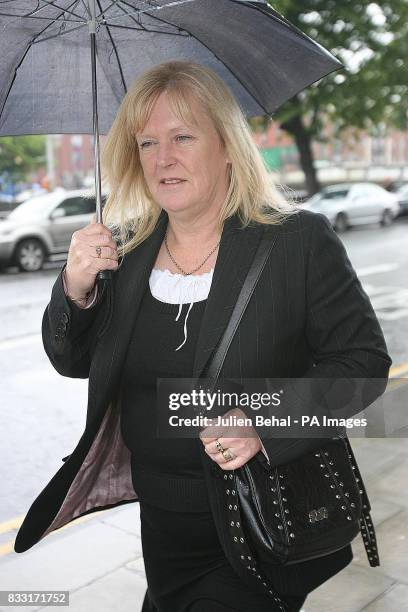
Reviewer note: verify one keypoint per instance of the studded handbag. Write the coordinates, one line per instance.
(308, 508)
(294, 512)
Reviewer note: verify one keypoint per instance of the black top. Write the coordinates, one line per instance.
(166, 472)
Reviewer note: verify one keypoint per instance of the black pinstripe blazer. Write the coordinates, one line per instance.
(308, 316)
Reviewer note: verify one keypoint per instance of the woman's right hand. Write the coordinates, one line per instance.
(83, 263)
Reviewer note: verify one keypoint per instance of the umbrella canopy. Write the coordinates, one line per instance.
(45, 58)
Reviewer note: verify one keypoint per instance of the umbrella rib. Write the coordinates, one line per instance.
(33, 15)
(141, 27)
(36, 41)
(104, 11)
(119, 5)
(116, 52)
(144, 30)
(52, 3)
(12, 81)
(21, 61)
(37, 17)
(86, 8)
(161, 21)
(49, 25)
(157, 8)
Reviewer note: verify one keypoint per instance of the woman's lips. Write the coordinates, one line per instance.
(168, 185)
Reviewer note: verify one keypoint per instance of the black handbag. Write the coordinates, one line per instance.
(298, 511)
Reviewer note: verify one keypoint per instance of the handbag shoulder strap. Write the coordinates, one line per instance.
(258, 263)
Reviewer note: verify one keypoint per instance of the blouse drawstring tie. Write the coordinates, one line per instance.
(180, 289)
(185, 324)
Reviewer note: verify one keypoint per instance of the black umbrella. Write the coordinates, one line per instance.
(51, 51)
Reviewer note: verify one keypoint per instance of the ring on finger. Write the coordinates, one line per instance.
(227, 454)
(98, 250)
(219, 446)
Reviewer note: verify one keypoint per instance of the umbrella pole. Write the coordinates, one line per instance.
(105, 274)
(96, 133)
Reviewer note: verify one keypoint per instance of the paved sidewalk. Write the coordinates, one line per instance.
(99, 559)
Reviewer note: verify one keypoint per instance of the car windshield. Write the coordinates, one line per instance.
(35, 207)
(335, 194)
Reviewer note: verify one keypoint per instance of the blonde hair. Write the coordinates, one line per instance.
(130, 209)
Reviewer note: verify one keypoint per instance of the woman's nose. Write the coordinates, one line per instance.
(165, 154)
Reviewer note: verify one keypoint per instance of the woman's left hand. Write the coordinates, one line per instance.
(242, 441)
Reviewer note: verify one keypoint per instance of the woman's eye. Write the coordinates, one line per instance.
(184, 137)
(181, 137)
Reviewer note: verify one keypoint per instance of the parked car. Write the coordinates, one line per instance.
(351, 204)
(43, 226)
(7, 205)
(402, 195)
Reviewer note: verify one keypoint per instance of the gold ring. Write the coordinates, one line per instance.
(98, 251)
(228, 456)
(219, 446)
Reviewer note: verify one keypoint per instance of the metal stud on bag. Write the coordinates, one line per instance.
(333, 486)
(239, 540)
(366, 525)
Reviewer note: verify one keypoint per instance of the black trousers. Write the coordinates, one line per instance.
(187, 570)
(211, 605)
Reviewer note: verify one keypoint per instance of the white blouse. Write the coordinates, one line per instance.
(175, 288)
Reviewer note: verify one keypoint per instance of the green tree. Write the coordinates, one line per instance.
(372, 41)
(20, 155)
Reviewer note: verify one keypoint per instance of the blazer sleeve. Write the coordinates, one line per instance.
(345, 339)
(70, 332)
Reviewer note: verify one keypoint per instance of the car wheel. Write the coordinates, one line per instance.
(387, 218)
(341, 223)
(30, 255)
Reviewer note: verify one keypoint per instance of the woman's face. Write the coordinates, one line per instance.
(170, 149)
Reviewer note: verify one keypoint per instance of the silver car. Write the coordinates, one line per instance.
(42, 227)
(350, 204)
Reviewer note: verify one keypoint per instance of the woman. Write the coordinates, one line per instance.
(189, 195)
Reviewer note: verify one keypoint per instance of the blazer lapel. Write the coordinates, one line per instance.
(134, 277)
(236, 252)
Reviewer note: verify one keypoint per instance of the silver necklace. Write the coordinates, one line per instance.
(179, 267)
